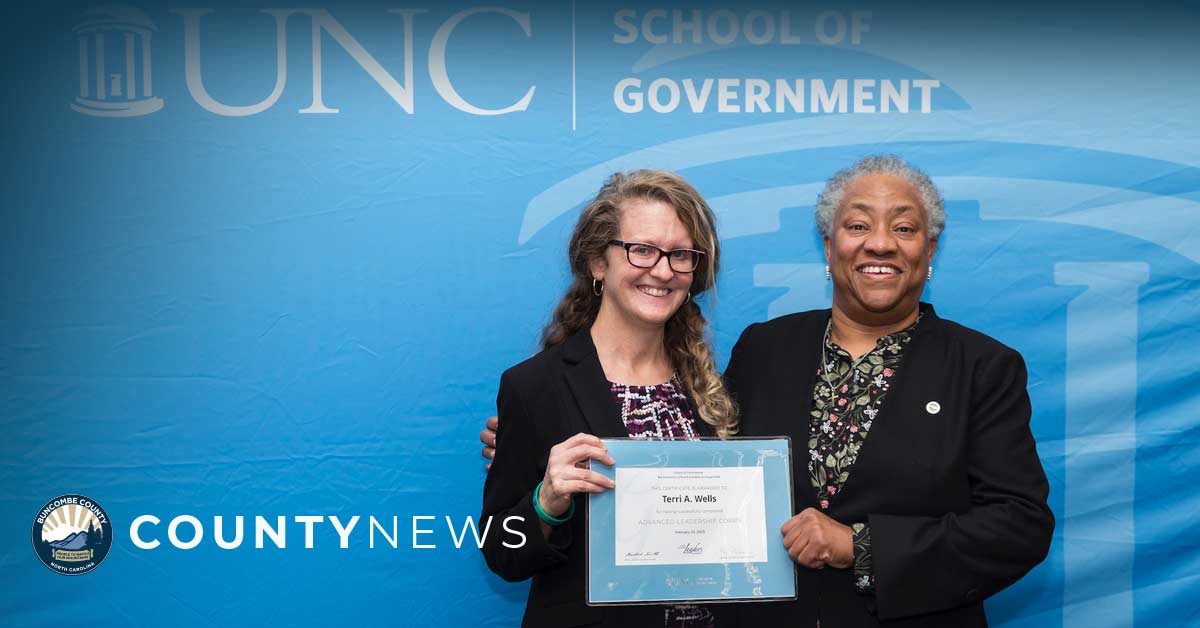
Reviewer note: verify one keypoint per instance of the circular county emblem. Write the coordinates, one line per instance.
(72, 534)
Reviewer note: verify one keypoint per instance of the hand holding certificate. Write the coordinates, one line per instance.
(688, 521)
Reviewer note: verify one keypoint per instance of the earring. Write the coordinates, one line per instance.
(929, 275)
(597, 287)
(828, 275)
(689, 297)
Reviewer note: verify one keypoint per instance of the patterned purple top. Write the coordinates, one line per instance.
(662, 412)
(659, 412)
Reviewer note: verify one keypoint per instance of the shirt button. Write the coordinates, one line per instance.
(933, 407)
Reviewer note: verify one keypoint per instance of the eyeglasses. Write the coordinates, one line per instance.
(644, 255)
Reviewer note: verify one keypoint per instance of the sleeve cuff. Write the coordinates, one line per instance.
(553, 549)
(864, 570)
(560, 537)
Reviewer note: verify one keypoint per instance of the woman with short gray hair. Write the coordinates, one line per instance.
(920, 489)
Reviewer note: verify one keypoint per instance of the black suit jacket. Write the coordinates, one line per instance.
(956, 499)
(543, 401)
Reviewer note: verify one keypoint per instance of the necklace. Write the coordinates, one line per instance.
(853, 365)
(825, 364)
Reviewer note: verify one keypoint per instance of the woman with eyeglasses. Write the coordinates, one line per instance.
(625, 355)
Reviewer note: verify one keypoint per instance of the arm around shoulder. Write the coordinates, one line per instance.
(738, 364)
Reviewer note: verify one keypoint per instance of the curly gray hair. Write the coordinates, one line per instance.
(931, 198)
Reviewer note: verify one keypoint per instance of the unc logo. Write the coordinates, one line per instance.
(120, 84)
(72, 534)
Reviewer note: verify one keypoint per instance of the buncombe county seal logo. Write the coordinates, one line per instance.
(72, 534)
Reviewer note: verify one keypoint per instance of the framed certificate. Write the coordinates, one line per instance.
(691, 521)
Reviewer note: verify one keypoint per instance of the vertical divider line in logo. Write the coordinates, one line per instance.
(572, 65)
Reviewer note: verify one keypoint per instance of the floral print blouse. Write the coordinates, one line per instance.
(846, 400)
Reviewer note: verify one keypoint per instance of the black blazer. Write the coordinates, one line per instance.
(543, 401)
(955, 499)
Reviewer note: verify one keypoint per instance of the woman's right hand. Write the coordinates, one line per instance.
(567, 473)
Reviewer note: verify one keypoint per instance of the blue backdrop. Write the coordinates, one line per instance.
(266, 261)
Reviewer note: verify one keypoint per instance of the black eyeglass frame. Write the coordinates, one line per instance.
(670, 262)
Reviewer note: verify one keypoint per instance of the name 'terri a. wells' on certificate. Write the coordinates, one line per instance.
(685, 515)
(687, 499)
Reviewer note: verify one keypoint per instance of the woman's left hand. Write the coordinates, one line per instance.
(815, 540)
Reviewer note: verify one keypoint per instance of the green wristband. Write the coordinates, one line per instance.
(547, 517)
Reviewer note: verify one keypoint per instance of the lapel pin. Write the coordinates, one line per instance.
(933, 407)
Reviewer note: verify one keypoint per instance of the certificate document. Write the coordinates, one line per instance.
(688, 515)
(691, 521)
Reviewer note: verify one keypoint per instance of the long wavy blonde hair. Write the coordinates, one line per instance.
(686, 331)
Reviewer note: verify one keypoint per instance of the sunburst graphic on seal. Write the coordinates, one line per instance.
(72, 534)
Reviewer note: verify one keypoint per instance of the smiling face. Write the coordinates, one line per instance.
(644, 297)
(879, 250)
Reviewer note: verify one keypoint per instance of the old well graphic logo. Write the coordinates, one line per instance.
(115, 78)
(72, 534)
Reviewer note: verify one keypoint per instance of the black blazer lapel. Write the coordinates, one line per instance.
(889, 443)
(796, 367)
(587, 383)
